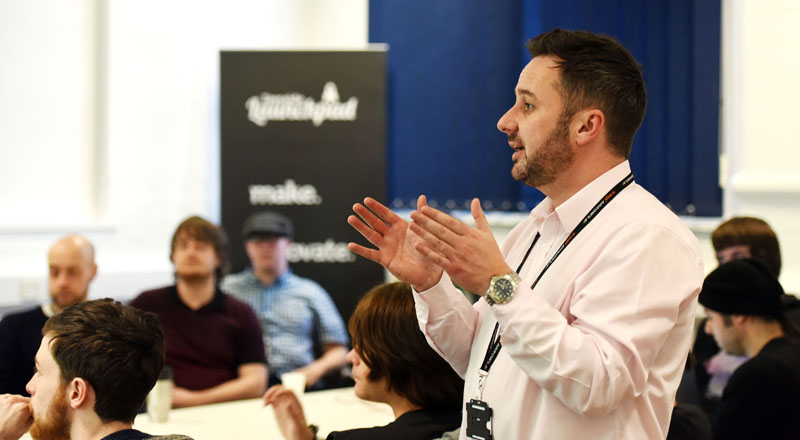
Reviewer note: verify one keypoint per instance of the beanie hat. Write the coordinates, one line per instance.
(743, 287)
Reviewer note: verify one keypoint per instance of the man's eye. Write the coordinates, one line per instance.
(527, 106)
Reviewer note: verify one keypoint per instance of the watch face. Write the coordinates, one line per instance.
(503, 287)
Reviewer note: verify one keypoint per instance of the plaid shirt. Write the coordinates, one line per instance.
(292, 312)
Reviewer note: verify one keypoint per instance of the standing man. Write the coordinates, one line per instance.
(302, 328)
(71, 269)
(743, 301)
(588, 309)
(213, 340)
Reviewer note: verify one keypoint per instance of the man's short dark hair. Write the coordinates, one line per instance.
(596, 71)
(387, 338)
(203, 230)
(752, 232)
(118, 350)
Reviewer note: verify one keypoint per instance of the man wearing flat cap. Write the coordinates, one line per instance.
(743, 301)
(302, 328)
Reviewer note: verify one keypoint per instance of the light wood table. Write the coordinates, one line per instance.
(331, 410)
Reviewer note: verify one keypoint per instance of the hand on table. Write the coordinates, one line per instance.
(288, 413)
(469, 255)
(15, 416)
(182, 397)
(397, 245)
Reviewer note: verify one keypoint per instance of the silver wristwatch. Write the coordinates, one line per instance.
(502, 288)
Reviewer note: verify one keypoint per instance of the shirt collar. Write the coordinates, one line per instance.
(278, 281)
(574, 209)
(217, 303)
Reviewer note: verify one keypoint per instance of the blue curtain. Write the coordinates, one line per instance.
(452, 71)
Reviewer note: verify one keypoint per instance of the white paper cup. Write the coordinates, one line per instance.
(294, 381)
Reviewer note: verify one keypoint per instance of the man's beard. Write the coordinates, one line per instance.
(193, 275)
(73, 299)
(55, 426)
(549, 161)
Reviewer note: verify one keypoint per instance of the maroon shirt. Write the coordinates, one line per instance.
(205, 347)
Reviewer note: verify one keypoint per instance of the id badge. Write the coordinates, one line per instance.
(479, 420)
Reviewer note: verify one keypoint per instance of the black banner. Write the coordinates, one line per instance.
(304, 134)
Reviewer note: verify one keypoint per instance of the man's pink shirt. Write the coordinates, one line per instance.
(597, 349)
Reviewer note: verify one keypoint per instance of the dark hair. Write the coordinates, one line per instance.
(790, 330)
(387, 338)
(752, 232)
(203, 230)
(597, 71)
(118, 350)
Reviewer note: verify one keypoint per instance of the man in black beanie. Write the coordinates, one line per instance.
(742, 299)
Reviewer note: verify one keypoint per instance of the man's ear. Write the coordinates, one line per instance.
(589, 124)
(739, 319)
(78, 393)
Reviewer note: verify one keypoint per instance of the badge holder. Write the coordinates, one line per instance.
(479, 420)
(479, 413)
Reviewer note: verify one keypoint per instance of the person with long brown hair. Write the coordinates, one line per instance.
(392, 364)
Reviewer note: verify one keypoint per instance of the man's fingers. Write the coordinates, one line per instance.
(382, 211)
(431, 225)
(422, 201)
(450, 223)
(435, 257)
(369, 218)
(269, 396)
(480, 218)
(372, 254)
(432, 240)
(370, 234)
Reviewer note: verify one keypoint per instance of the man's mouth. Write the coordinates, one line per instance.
(519, 150)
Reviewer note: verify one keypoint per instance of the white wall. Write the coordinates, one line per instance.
(760, 94)
(109, 122)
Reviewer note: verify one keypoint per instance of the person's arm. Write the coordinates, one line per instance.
(333, 357)
(15, 416)
(251, 383)
(330, 336)
(629, 312)
(448, 321)
(288, 413)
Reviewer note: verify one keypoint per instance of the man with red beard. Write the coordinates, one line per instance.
(71, 268)
(589, 306)
(96, 363)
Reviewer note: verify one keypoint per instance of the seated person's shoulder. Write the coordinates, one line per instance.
(308, 286)
(235, 282)
(25, 322)
(236, 305)
(21, 316)
(169, 437)
(150, 298)
(767, 372)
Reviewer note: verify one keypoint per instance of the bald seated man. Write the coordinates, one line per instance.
(71, 268)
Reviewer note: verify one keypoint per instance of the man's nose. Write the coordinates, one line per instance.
(61, 278)
(506, 123)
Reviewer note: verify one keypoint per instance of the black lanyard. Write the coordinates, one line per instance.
(494, 343)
